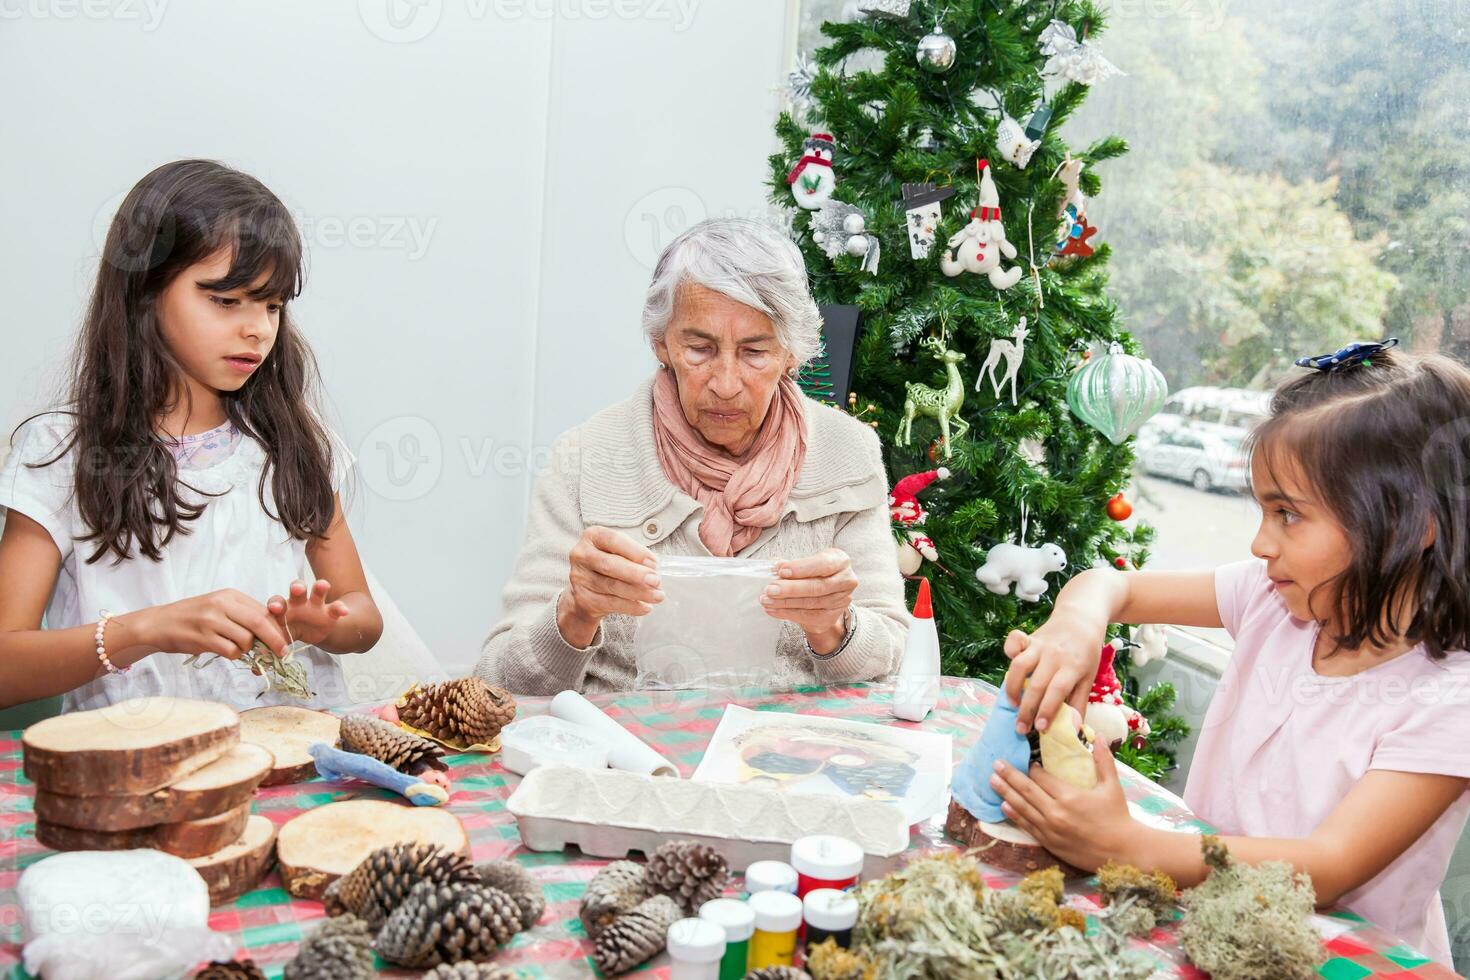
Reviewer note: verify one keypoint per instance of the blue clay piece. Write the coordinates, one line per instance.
(971, 783)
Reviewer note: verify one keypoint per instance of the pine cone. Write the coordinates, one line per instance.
(384, 879)
(446, 923)
(402, 750)
(230, 970)
(637, 936)
(468, 971)
(688, 872)
(778, 973)
(516, 882)
(461, 712)
(616, 889)
(340, 949)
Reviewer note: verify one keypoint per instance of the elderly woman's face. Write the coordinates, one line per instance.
(727, 362)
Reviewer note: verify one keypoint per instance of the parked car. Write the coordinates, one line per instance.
(1204, 455)
(1237, 409)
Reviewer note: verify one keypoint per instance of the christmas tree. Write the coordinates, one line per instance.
(919, 132)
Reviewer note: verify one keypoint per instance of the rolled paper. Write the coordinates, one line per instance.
(971, 785)
(625, 750)
(336, 764)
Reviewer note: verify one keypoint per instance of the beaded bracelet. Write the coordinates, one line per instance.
(102, 620)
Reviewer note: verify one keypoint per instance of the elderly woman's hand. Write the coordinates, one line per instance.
(610, 573)
(814, 593)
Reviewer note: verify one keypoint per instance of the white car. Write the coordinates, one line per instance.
(1206, 460)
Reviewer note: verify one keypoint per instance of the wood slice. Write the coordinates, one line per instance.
(186, 839)
(135, 746)
(1003, 845)
(286, 732)
(238, 867)
(325, 843)
(224, 784)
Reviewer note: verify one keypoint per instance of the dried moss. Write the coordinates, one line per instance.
(1149, 897)
(936, 920)
(1248, 922)
(829, 961)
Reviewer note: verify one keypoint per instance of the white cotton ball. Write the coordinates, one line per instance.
(854, 224)
(857, 246)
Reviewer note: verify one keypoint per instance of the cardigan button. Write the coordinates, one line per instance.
(651, 529)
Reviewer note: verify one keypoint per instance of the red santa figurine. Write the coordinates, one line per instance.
(908, 517)
(1107, 715)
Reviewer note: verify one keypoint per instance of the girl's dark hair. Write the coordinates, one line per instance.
(1386, 445)
(125, 378)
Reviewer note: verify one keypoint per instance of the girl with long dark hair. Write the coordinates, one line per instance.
(188, 477)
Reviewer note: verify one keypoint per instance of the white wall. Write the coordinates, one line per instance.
(482, 185)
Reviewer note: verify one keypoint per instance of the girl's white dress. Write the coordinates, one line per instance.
(234, 544)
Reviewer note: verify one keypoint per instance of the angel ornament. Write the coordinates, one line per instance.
(1073, 60)
(979, 246)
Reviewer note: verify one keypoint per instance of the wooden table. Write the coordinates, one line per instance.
(267, 923)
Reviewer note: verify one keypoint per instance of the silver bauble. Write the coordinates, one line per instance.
(936, 51)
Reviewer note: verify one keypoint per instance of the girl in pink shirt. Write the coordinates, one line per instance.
(1338, 739)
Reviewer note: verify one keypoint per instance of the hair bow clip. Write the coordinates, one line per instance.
(1360, 353)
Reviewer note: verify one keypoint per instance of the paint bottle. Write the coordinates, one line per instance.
(696, 947)
(825, 861)
(829, 913)
(770, 876)
(738, 921)
(777, 917)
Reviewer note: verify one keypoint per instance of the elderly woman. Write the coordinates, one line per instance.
(718, 453)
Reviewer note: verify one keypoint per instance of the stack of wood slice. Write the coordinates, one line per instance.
(164, 773)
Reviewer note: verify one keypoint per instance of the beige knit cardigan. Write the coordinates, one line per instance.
(606, 472)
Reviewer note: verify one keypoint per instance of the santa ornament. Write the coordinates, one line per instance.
(1107, 715)
(908, 517)
(813, 180)
(980, 245)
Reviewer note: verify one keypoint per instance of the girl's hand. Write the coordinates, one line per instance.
(308, 616)
(1060, 659)
(814, 593)
(1084, 827)
(226, 622)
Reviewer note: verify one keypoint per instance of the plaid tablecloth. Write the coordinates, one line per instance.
(267, 923)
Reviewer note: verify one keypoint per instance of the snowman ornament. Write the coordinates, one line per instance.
(813, 180)
(979, 246)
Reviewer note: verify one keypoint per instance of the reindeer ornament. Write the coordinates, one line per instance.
(941, 404)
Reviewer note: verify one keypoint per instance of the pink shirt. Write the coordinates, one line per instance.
(1281, 746)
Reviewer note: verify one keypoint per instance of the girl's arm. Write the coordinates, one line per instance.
(340, 617)
(1381, 817)
(1060, 658)
(37, 663)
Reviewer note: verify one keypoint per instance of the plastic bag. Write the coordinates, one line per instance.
(116, 915)
(711, 629)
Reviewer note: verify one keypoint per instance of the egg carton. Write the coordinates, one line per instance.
(609, 813)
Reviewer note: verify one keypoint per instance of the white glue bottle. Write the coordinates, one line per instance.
(916, 688)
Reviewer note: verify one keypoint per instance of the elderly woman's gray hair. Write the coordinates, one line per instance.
(748, 261)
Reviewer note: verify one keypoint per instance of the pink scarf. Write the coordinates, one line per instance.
(741, 495)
